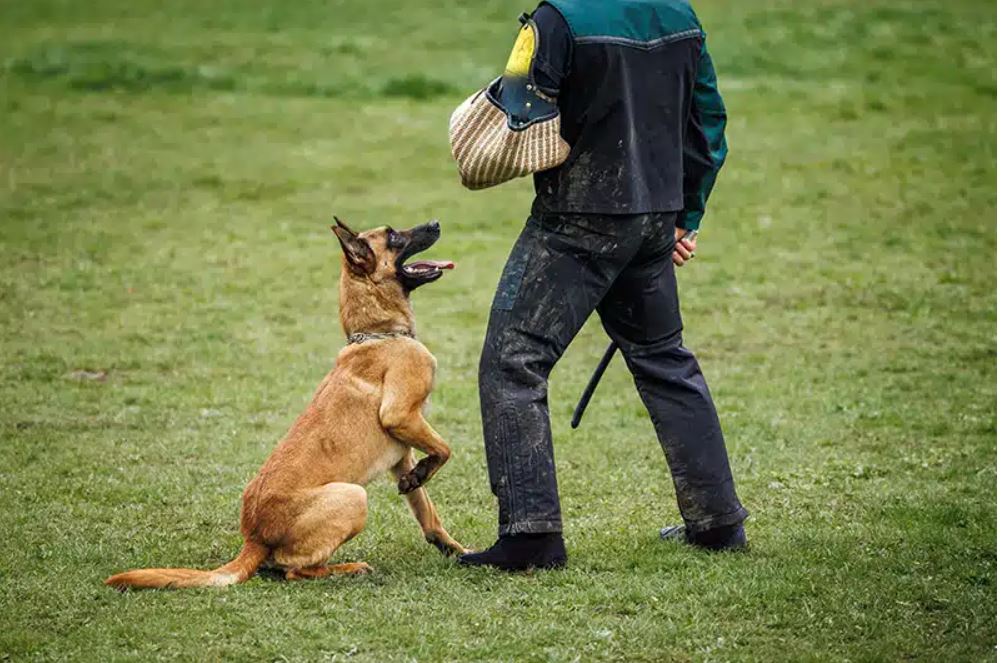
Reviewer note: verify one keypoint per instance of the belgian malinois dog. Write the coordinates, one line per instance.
(365, 419)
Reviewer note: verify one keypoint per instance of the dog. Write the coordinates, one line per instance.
(366, 418)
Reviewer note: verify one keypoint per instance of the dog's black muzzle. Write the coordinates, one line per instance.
(417, 273)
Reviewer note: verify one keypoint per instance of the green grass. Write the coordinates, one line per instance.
(167, 174)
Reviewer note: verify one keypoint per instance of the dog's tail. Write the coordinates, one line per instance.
(251, 556)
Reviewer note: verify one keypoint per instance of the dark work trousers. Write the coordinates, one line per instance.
(561, 269)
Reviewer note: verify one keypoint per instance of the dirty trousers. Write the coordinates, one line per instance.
(561, 269)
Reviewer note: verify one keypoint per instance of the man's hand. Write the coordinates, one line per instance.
(684, 249)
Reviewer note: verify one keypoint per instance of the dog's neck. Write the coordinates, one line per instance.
(368, 307)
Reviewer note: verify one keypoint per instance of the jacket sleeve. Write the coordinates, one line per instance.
(705, 142)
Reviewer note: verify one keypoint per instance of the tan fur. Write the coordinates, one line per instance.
(364, 419)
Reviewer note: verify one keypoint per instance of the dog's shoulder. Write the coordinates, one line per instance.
(410, 350)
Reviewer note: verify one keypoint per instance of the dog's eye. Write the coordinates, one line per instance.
(394, 239)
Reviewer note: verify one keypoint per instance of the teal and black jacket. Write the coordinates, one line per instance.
(638, 102)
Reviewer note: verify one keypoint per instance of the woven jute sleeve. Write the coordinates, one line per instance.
(489, 152)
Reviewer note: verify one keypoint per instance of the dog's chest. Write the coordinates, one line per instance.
(390, 455)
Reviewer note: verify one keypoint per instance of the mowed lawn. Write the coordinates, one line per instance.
(168, 302)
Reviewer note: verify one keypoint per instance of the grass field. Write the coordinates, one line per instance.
(167, 175)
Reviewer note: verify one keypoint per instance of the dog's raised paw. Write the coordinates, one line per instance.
(409, 482)
(416, 477)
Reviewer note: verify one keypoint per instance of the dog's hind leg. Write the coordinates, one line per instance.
(425, 513)
(311, 572)
(325, 518)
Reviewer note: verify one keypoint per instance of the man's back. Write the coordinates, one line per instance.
(626, 74)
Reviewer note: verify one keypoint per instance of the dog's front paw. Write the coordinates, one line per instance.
(408, 483)
(445, 544)
(416, 477)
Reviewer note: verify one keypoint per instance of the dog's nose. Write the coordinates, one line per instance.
(434, 225)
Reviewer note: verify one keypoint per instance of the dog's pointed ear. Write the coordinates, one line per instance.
(343, 226)
(361, 258)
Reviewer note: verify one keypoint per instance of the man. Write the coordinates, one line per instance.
(637, 99)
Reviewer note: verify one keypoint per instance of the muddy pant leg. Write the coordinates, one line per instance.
(642, 314)
(554, 278)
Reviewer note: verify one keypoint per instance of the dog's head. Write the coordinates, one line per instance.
(381, 254)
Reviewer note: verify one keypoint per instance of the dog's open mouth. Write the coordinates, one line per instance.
(426, 268)
(418, 272)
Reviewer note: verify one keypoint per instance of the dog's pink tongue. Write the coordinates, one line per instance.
(433, 264)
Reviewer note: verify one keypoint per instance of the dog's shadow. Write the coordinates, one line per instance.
(271, 574)
(276, 574)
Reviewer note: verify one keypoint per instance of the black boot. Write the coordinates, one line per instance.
(519, 552)
(721, 538)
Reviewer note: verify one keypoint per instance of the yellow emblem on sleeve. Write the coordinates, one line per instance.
(520, 60)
